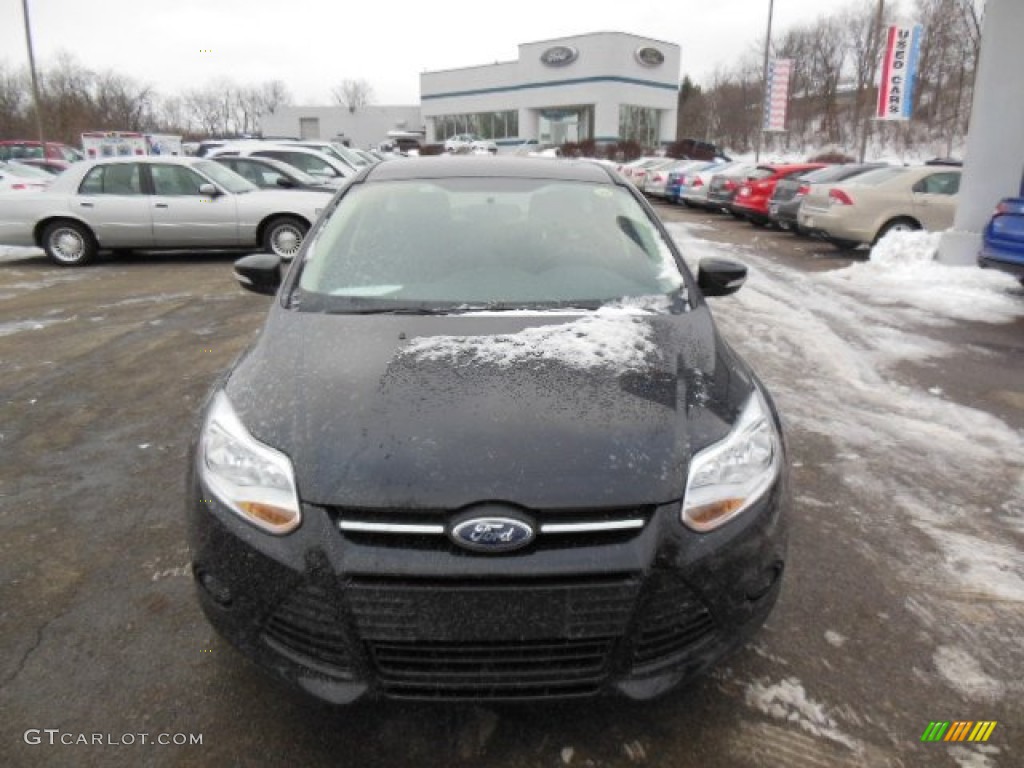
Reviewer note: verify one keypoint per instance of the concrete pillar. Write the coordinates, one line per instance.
(994, 158)
(606, 120)
(529, 124)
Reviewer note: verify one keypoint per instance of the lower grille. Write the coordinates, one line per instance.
(484, 611)
(308, 628)
(672, 622)
(521, 670)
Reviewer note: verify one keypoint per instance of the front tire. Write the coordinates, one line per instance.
(69, 244)
(283, 236)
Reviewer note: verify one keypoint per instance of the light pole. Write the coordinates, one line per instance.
(873, 53)
(764, 83)
(35, 79)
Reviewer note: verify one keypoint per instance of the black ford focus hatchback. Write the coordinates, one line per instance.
(488, 445)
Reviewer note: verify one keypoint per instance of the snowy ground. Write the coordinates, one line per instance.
(916, 462)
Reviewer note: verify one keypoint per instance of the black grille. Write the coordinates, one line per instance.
(308, 627)
(514, 639)
(672, 622)
(491, 611)
(507, 670)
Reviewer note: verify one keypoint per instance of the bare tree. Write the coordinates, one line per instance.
(353, 94)
(273, 95)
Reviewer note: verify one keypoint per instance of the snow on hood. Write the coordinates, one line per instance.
(614, 337)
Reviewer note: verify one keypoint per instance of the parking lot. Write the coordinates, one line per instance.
(903, 600)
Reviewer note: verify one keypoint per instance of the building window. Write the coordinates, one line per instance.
(486, 125)
(639, 124)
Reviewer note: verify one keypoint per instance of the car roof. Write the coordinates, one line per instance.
(479, 166)
(164, 159)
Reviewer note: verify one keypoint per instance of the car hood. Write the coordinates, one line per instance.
(439, 412)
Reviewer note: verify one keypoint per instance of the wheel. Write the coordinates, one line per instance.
(69, 243)
(688, 203)
(283, 236)
(759, 223)
(843, 245)
(897, 225)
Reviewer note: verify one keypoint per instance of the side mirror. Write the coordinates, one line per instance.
(720, 277)
(208, 190)
(259, 273)
(285, 182)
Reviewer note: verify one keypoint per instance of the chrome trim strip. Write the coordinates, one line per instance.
(437, 530)
(608, 525)
(356, 525)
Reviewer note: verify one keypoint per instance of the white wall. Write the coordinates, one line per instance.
(367, 126)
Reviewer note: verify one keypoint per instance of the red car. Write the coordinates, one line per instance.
(751, 201)
(23, 149)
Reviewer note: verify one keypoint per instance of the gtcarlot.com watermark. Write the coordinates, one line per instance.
(57, 737)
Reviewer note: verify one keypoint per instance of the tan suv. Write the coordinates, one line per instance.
(868, 206)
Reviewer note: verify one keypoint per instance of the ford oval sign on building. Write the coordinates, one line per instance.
(559, 56)
(492, 534)
(650, 57)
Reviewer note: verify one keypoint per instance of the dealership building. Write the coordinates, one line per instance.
(606, 86)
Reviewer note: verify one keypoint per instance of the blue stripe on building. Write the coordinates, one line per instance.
(551, 84)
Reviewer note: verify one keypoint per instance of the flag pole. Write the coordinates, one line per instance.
(35, 79)
(866, 124)
(764, 83)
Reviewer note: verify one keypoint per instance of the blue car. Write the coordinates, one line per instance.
(1003, 244)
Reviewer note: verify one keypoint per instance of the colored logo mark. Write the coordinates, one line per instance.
(958, 730)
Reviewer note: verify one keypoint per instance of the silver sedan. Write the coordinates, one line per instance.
(154, 203)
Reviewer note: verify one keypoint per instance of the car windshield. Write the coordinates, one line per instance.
(16, 151)
(490, 243)
(227, 178)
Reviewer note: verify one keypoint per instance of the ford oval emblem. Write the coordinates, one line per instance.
(559, 56)
(492, 534)
(650, 57)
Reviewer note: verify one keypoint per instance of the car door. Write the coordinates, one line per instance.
(183, 217)
(110, 200)
(934, 198)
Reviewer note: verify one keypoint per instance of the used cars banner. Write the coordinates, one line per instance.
(899, 67)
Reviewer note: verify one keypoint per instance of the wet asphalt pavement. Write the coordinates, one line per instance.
(103, 370)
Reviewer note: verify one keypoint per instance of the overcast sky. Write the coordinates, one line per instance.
(313, 44)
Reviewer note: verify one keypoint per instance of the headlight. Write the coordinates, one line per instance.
(250, 478)
(728, 477)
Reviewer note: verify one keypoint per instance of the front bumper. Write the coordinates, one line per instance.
(1012, 263)
(347, 615)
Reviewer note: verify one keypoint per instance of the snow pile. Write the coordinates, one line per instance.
(903, 271)
(788, 701)
(906, 250)
(611, 337)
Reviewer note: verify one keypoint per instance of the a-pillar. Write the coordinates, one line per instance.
(994, 157)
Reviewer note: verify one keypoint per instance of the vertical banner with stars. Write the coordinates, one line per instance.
(776, 97)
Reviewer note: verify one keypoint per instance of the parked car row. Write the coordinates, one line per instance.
(847, 205)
